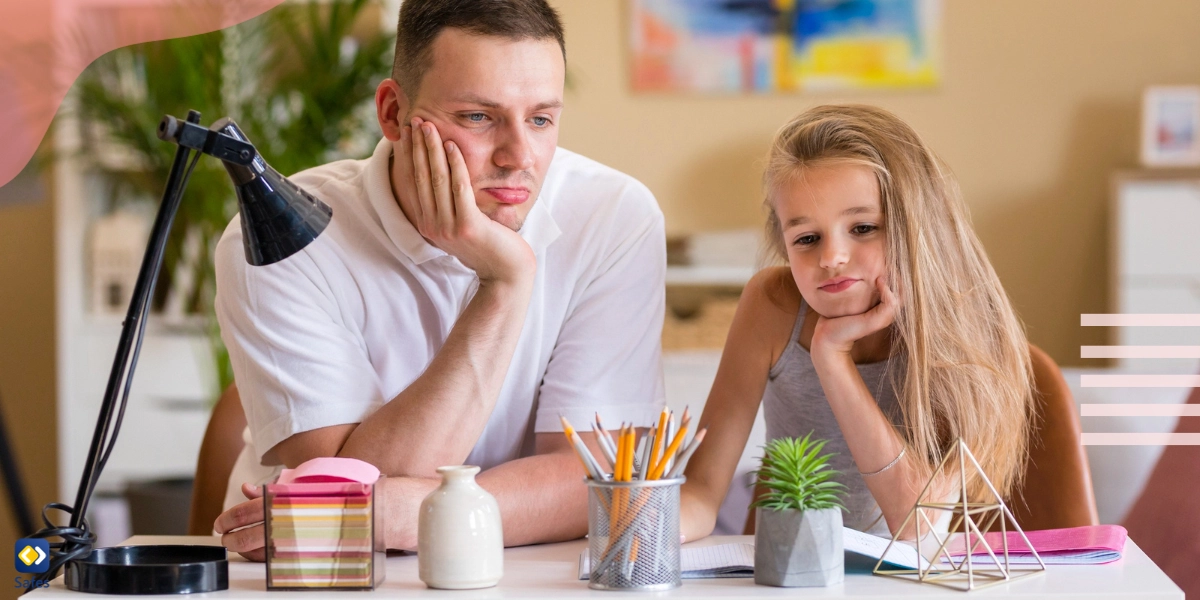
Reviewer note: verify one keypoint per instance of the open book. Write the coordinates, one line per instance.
(737, 560)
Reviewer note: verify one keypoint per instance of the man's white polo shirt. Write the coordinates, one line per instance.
(328, 335)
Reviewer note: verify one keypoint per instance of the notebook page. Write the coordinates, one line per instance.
(716, 560)
(737, 560)
(900, 554)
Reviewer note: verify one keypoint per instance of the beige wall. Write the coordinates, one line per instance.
(1039, 104)
(27, 373)
(27, 359)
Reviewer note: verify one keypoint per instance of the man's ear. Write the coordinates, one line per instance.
(391, 106)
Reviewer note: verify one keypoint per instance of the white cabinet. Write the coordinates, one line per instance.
(1156, 259)
(1159, 231)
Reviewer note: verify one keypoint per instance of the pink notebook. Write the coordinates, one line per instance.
(1088, 545)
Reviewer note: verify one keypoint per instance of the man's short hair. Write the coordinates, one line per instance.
(422, 20)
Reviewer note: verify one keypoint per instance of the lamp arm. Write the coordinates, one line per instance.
(143, 291)
(209, 141)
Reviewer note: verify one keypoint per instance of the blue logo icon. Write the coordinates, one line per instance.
(32, 555)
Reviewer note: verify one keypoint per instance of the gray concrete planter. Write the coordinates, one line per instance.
(798, 549)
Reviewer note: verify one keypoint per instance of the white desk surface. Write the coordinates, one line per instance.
(550, 571)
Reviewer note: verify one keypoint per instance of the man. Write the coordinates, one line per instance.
(476, 282)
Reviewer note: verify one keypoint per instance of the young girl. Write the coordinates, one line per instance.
(887, 334)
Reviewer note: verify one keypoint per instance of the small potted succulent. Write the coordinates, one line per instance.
(798, 537)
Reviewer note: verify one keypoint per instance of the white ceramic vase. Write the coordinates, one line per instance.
(460, 543)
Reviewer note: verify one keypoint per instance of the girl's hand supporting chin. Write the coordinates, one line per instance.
(836, 336)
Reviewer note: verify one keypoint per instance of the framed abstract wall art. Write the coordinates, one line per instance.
(730, 46)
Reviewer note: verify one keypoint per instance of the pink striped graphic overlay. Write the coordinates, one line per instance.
(1139, 352)
(1141, 439)
(1139, 410)
(1139, 381)
(1118, 320)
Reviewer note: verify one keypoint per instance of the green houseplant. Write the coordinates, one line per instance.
(798, 532)
(299, 80)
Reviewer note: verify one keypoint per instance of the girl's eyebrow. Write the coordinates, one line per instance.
(856, 210)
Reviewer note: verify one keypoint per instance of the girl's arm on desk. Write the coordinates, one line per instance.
(758, 336)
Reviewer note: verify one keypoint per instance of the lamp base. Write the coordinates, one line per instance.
(150, 570)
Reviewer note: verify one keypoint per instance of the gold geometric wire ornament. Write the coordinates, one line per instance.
(977, 518)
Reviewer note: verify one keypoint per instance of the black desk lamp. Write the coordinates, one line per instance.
(278, 219)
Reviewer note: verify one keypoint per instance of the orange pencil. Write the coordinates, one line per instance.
(686, 455)
(631, 452)
(659, 443)
(619, 468)
(658, 469)
(614, 510)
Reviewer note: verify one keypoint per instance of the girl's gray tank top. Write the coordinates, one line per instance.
(794, 404)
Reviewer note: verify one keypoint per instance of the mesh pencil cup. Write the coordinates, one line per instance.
(633, 534)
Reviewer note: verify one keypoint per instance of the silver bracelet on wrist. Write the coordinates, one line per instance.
(887, 466)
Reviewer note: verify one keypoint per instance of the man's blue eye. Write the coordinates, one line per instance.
(541, 121)
(476, 117)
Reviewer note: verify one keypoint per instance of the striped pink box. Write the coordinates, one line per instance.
(322, 529)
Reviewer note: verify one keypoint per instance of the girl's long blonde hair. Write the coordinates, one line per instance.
(968, 372)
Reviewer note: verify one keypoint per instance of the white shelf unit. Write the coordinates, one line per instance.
(1155, 259)
(708, 276)
(1154, 247)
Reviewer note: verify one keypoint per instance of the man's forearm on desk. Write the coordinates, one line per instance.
(439, 417)
(542, 498)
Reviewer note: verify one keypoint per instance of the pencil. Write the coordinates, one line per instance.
(607, 437)
(585, 456)
(647, 454)
(609, 458)
(685, 424)
(681, 464)
(670, 450)
(633, 554)
(666, 461)
(618, 468)
(631, 452)
(659, 438)
(614, 510)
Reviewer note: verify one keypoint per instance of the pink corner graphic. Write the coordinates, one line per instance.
(46, 44)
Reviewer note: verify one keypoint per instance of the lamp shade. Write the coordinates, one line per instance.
(278, 217)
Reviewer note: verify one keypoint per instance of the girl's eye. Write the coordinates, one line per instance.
(541, 121)
(805, 240)
(864, 229)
